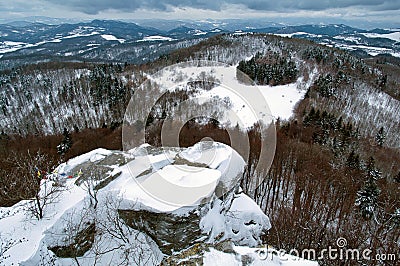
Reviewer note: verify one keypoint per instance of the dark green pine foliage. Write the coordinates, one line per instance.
(330, 130)
(367, 199)
(371, 170)
(353, 161)
(324, 85)
(367, 196)
(65, 144)
(270, 69)
(106, 88)
(380, 137)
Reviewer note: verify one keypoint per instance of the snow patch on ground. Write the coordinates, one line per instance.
(155, 38)
(8, 46)
(280, 99)
(217, 258)
(109, 37)
(77, 35)
(395, 36)
(294, 34)
(199, 32)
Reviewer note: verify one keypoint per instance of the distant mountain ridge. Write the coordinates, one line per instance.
(24, 42)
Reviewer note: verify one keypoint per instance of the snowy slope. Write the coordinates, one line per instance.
(395, 36)
(249, 103)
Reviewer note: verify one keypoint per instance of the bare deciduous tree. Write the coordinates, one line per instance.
(36, 171)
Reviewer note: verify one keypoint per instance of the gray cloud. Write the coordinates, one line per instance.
(91, 7)
(94, 7)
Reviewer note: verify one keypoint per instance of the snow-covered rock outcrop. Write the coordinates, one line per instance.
(120, 208)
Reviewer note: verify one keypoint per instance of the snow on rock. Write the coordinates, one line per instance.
(104, 215)
(244, 222)
(181, 185)
(220, 157)
(90, 156)
(198, 172)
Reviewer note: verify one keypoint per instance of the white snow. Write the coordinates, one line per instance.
(179, 186)
(17, 224)
(72, 163)
(282, 99)
(109, 37)
(77, 35)
(239, 32)
(10, 43)
(22, 226)
(395, 36)
(199, 32)
(290, 35)
(8, 46)
(243, 223)
(217, 258)
(372, 50)
(155, 38)
(249, 103)
(212, 156)
(348, 38)
(189, 176)
(159, 190)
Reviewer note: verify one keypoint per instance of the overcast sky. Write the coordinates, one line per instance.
(356, 12)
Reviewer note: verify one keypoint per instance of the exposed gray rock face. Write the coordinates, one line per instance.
(171, 232)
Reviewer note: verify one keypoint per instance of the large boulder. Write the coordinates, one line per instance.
(221, 213)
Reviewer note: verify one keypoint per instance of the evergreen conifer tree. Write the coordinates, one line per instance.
(367, 196)
(65, 144)
(380, 137)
